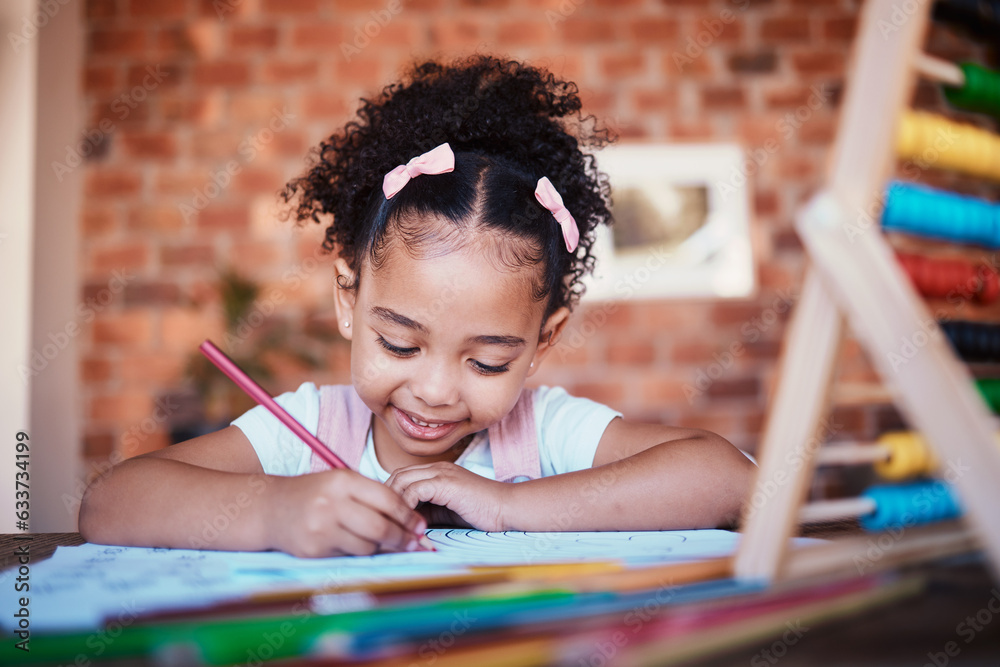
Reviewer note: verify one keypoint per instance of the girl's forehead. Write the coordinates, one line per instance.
(446, 287)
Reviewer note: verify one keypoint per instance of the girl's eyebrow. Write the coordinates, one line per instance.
(391, 316)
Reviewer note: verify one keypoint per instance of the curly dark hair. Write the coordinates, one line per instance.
(509, 124)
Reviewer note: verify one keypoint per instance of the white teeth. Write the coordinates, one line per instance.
(420, 423)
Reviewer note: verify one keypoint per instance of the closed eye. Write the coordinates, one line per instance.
(397, 351)
(490, 370)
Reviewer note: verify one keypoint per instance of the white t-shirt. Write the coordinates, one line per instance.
(568, 429)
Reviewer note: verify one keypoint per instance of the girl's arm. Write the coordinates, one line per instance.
(645, 477)
(211, 493)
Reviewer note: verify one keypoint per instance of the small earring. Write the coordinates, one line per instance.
(532, 365)
(347, 324)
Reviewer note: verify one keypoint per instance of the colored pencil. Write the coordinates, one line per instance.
(257, 393)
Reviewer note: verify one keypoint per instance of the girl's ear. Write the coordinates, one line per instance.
(552, 329)
(343, 298)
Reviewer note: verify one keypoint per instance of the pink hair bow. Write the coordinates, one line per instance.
(438, 160)
(547, 196)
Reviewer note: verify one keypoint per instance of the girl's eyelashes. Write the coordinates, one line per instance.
(398, 351)
(404, 352)
(490, 370)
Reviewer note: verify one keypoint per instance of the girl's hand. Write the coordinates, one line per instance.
(340, 512)
(477, 500)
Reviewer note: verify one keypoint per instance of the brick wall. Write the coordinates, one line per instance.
(199, 110)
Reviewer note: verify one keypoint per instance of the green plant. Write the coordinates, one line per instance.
(257, 343)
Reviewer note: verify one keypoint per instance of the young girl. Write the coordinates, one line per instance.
(461, 212)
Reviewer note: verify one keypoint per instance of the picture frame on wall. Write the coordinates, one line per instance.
(682, 224)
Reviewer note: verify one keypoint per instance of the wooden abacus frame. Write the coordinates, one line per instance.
(854, 275)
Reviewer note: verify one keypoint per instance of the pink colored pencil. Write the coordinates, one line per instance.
(257, 393)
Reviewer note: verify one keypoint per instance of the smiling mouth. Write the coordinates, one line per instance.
(420, 429)
(420, 422)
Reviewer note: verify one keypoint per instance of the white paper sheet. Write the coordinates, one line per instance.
(84, 587)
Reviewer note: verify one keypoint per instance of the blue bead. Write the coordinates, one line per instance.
(924, 211)
(905, 505)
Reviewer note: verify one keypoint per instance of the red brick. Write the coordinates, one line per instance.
(725, 388)
(98, 445)
(187, 255)
(723, 27)
(255, 109)
(150, 145)
(313, 37)
(454, 34)
(252, 38)
(324, 105)
(360, 70)
(121, 407)
(235, 218)
(519, 33)
(201, 39)
(658, 391)
(586, 31)
(785, 29)
(766, 202)
(227, 10)
(182, 181)
(285, 72)
(734, 312)
(152, 77)
(98, 220)
(609, 392)
(94, 369)
(200, 110)
(825, 62)
(818, 130)
(101, 79)
(111, 182)
(484, 4)
(133, 255)
(117, 42)
(787, 97)
(133, 328)
(155, 218)
(151, 294)
(258, 180)
(221, 74)
(159, 9)
(678, 62)
(695, 353)
(691, 130)
(156, 368)
(310, 7)
(840, 29)
(630, 353)
(657, 100)
(95, 10)
(653, 31)
(183, 329)
(760, 62)
(120, 111)
(622, 65)
(722, 98)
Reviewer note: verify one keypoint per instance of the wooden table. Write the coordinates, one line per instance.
(901, 634)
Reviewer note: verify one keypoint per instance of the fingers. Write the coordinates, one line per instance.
(370, 531)
(388, 501)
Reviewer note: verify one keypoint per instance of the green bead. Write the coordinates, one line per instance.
(981, 92)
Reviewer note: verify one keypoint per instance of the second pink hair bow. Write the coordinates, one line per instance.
(438, 160)
(547, 196)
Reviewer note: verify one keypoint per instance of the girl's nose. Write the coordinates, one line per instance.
(435, 383)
